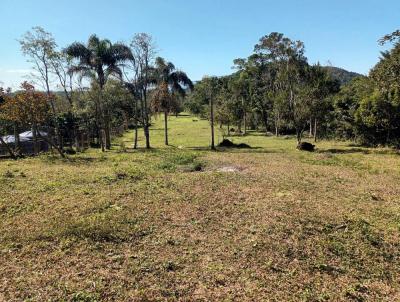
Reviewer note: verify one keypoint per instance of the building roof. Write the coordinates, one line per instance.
(23, 137)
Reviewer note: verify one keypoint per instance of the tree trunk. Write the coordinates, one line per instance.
(76, 139)
(166, 126)
(136, 117)
(107, 133)
(16, 137)
(53, 108)
(277, 124)
(61, 141)
(34, 135)
(104, 127)
(125, 116)
(311, 130)
(135, 138)
(147, 136)
(315, 130)
(145, 109)
(50, 142)
(239, 125)
(107, 137)
(299, 135)
(265, 119)
(82, 144)
(101, 137)
(212, 123)
(10, 151)
(145, 117)
(99, 127)
(244, 117)
(245, 123)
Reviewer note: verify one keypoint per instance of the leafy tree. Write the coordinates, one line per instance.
(386, 73)
(197, 101)
(99, 60)
(224, 101)
(141, 65)
(263, 89)
(346, 103)
(378, 120)
(29, 107)
(171, 84)
(321, 85)
(288, 58)
(61, 64)
(393, 37)
(376, 117)
(206, 92)
(40, 47)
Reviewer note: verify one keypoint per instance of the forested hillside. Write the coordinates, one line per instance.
(341, 75)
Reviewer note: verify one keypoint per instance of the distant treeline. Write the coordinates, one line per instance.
(276, 90)
(103, 88)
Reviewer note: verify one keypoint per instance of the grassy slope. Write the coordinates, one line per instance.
(141, 225)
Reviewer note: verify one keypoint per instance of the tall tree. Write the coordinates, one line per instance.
(212, 85)
(171, 84)
(143, 49)
(40, 47)
(289, 59)
(98, 60)
(320, 85)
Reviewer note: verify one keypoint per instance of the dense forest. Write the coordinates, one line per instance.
(104, 88)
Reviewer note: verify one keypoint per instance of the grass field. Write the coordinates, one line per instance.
(265, 224)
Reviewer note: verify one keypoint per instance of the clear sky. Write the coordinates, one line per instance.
(203, 37)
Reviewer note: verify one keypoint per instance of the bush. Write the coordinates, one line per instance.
(226, 143)
(304, 146)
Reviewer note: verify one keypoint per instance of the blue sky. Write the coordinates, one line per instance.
(203, 37)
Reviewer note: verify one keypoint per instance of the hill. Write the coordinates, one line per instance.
(344, 76)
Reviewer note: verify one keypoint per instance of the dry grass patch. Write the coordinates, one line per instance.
(137, 226)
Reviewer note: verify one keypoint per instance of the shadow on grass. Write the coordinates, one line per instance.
(143, 150)
(235, 150)
(53, 159)
(207, 149)
(359, 150)
(157, 129)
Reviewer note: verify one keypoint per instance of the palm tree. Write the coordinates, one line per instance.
(171, 84)
(98, 60)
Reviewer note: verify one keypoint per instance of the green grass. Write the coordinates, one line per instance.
(185, 131)
(169, 224)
